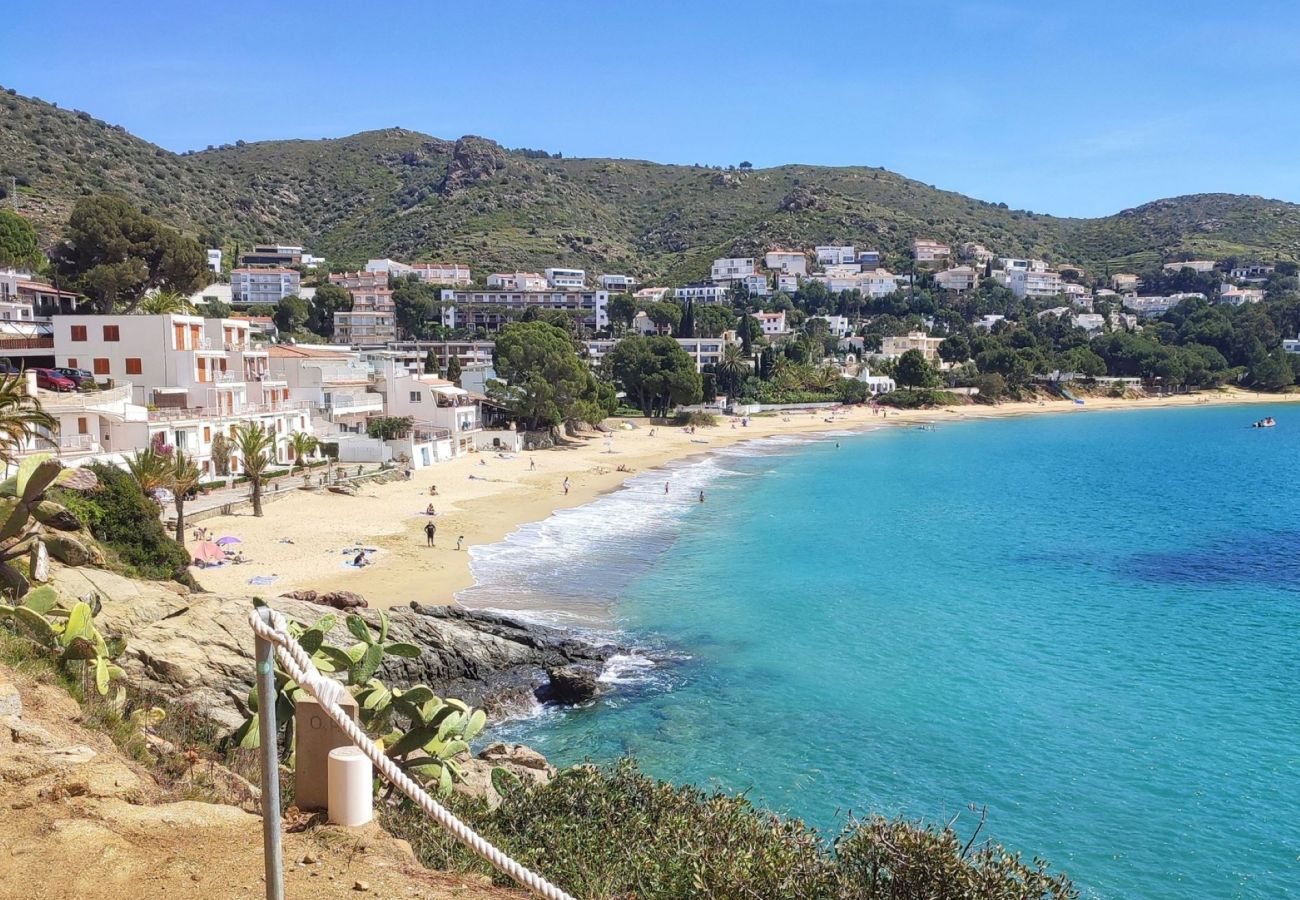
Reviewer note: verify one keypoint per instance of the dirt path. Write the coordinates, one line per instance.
(78, 819)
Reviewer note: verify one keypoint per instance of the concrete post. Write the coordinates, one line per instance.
(317, 735)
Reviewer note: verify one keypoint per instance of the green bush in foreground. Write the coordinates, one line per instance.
(617, 833)
(126, 522)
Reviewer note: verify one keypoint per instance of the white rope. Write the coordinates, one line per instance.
(328, 691)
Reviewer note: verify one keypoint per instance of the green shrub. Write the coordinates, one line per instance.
(697, 417)
(920, 398)
(127, 523)
(617, 833)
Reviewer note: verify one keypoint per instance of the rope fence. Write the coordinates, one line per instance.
(270, 627)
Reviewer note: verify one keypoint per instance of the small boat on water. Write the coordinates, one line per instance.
(1266, 422)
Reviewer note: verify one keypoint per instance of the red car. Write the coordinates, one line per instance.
(53, 381)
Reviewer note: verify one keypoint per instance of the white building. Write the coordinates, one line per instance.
(1291, 345)
(651, 294)
(257, 286)
(988, 321)
(1199, 266)
(336, 387)
(1124, 282)
(704, 351)
(453, 274)
(757, 285)
(841, 270)
(214, 260)
(518, 281)
(925, 250)
(787, 284)
(1012, 264)
(701, 293)
(1147, 307)
(618, 284)
(389, 267)
(876, 283)
(567, 279)
(790, 262)
(189, 378)
(838, 326)
(1030, 283)
(447, 420)
(773, 323)
(834, 255)
(1237, 296)
(732, 269)
(1256, 273)
(958, 278)
(876, 384)
(371, 322)
(492, 309)
(977, 253)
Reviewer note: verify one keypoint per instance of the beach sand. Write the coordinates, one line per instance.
(484, 498)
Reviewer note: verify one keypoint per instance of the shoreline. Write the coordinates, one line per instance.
(304, 540)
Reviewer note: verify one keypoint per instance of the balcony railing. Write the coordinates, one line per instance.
(17, 342)
(60, 402)
(78, 443)
(239, 410)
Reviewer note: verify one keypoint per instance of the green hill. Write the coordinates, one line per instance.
(405, 194)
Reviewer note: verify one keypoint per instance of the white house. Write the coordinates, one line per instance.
(652, 294)
(567, 279)
(447, 421)
(773, 323)
(731, 269)
(1124, 282)
(925, 250)
(876, 384)
(1030, 283)
(1148, 307)
(1199, 266)
(894, 346)
(838, 326)
(790, 262)
(1256, 273)
(757, 285)
(518, 281)
(263, 286)
(787, 284)
(876, 283)
(833, 254)
(701, 293)
(1237, 296)
(1012, 264)
(442, 273)
(618, 284)
(958, 278)
(214, 259)
(988, 321)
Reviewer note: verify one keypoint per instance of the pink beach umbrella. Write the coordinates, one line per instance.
(206, 551)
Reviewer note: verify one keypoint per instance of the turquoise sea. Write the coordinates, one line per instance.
(1086, 623)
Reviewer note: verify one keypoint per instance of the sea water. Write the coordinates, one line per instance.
(1085, 624)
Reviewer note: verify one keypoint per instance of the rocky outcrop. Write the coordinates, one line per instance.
(569, 685)
(473, 160)
(198, 648)
(73, 551)
(525, 763)
(332, 599)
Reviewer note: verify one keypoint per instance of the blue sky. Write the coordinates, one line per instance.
(1066, 108)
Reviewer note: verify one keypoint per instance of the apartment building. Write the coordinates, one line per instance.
(413, 353)
(517, 281)
(492, 309)
(453, 274)
(704, 351)
(258, 286)
(447, 419)
(1034, 284)
(279, 255)
(360, 281)
(19, 286)
(790, 262)
(925, 250)
(372, 321)
(958, 278)
(180, 376)
(835, 255)
(731, 269)
(702, 292)
(895, 346)
(567, 279)
(333, 384)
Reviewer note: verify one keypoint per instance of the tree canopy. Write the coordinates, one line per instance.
(20, 247)
(417, 307)
(546, 384)
(113, 253)
(656, 372)
(329, 299)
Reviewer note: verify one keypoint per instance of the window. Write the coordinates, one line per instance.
(111, 333)
(101, 367)
(72, 362)
(207, 434)
(133, 365)
(83, 427)
(415, 396)
(78, 332)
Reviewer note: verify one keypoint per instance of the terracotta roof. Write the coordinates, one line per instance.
(287, 351)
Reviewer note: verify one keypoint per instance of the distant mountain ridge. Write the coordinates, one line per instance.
(408, 195)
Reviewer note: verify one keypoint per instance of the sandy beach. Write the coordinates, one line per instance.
(308, 539)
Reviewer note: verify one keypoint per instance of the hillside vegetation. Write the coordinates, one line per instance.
(405, 194)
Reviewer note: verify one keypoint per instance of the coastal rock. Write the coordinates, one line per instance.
(72, 551)
(197, 649)
(38, 562)
(53, 515)
(522, 761)
(344, 600)
(569, 685)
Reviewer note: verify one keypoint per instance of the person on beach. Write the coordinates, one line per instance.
(460, 540)
(665, 487)
(566, 485)
(428, 510)
(701, 496)
(430, 531)
(532, 464)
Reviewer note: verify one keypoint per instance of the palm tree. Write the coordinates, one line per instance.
(21, 418)
(183, 478)
(303, 445)
(150, 469)
(160, 302)
(731, 367)
(256, 446)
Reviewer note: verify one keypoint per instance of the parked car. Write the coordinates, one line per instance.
(52, 380)
(8, 368)
(79, 377)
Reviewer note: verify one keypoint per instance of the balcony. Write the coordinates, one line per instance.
(237, 411)
(10, 342)
(53, 402)
(77, 443)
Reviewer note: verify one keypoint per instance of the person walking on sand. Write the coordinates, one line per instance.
(460, 540)
(532, 464)
(566, 485)
(430, 531)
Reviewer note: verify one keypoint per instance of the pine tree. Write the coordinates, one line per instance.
(453, 370)
(431, 363)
